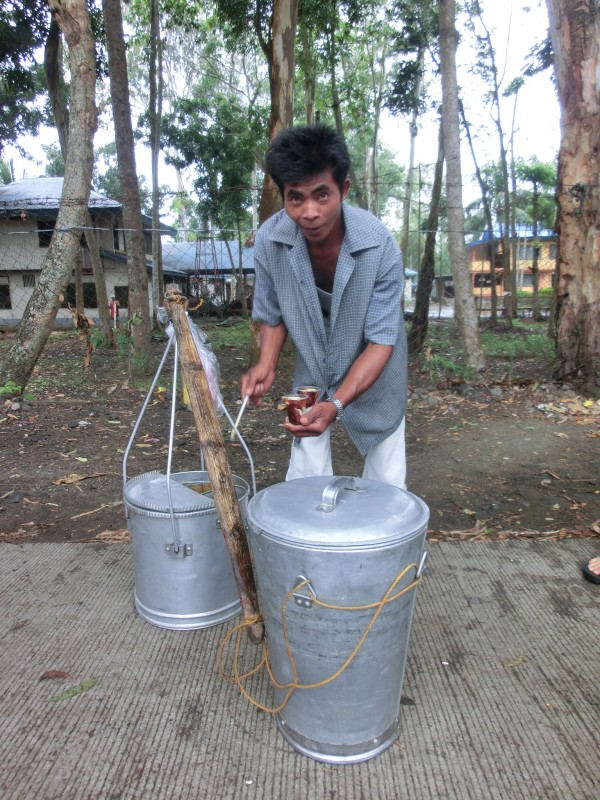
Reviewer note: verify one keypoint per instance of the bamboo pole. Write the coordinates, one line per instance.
(215, 458)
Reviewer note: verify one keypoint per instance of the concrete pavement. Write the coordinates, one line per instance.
(500, 699)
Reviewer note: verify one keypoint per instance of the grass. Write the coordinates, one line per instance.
(231, 334)
(524, 346)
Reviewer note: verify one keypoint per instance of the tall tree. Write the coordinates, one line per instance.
(487, 67)
(416, 35)
(58, 96)
(420, 317)
(38, 319)
(139, 314)
(575, 32)
(155, 119)
(464, 304)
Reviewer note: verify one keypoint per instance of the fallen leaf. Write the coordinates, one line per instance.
(75, 477)
(54, 673)
(72, 478)
(75, 690)
(81, 458)
(562, 435)
(517, 662)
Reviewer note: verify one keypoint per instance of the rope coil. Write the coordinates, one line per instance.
(265, 661)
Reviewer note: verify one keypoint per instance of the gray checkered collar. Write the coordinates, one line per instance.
(358, 236)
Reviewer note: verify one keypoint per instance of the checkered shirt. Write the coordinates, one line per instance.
(366, 307)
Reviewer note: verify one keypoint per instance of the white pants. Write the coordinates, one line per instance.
(385, 462)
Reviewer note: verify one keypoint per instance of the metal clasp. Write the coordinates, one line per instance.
(179, 550)
(304, 600)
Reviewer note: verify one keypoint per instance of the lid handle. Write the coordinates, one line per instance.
(331, 491)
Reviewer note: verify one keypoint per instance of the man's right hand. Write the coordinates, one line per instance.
(257, 382)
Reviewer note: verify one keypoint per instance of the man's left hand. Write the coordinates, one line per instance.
(314, 421)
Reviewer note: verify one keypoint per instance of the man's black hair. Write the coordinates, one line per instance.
(298, 153)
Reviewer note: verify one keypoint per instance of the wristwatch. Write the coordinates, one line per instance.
(338, 404)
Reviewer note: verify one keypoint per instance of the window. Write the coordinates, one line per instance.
(90, 300)
(4, 294)
(552, 251)
(482, 280)
(28, 280)
(527, 279)
(116, 242)
(45, 229)
(122, 295)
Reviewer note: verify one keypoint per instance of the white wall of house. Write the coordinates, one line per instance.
(22, 258)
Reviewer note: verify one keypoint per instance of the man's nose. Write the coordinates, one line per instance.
(310, 209)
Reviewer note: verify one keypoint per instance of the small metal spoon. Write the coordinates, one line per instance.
(239, 416)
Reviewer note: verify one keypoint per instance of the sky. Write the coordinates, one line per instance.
(515, 27)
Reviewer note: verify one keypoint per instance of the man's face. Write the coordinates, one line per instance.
(315, 205)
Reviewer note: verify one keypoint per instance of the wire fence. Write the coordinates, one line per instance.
(213, 267)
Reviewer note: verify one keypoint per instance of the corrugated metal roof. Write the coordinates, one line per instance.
(205, 256)
(35, 194)
(522, 231)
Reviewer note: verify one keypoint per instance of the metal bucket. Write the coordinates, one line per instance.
(349, 540)
(181, 582)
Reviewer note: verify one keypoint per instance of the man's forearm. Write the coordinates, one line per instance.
(364, 372)
(272, 340)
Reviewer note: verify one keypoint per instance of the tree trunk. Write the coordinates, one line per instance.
(281, 81)
(60, 111)
(420, 318)
(464, 302)
(410, 175)
(575, 32)
(39, 316)
(359, 194)
(139, 314)
(307, 38)
(156, 92)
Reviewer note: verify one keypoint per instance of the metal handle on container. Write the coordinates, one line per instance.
(331, 491)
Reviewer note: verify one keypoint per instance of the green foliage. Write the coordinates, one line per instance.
(441, 367)
(235, 334)
(98, 339)
(23, 29)
(107, 180)
(55, 168)
(11, 389)
(518, 345)
(216, 135)
(506, 350)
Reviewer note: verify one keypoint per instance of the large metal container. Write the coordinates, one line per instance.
(349, 539)
(183, 574)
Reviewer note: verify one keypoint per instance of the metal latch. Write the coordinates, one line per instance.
(179, 550)
(304, 600)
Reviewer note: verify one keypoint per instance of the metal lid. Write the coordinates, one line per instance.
(337, 512)
(149, 491)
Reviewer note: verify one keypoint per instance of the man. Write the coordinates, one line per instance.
(114, 310)
(331, 277)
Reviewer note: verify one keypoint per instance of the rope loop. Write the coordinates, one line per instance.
(390, 595)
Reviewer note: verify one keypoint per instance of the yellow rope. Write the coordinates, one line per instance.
(265, 661)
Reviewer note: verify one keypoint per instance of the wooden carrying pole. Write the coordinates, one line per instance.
(215, 458)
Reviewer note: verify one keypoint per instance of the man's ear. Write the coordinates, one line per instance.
(345, 188)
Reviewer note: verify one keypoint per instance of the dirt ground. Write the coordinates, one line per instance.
(516, 457)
